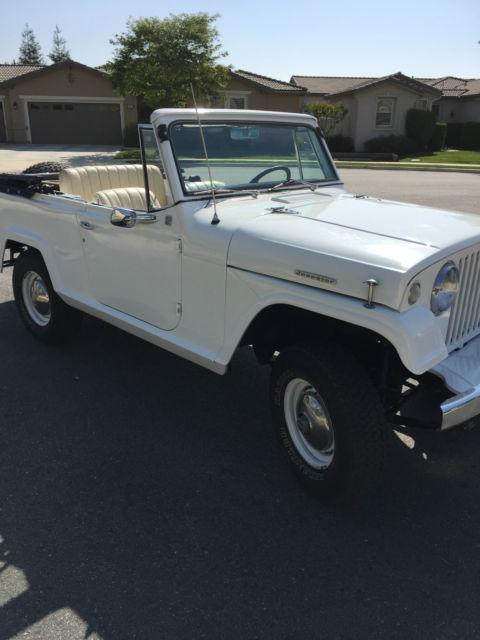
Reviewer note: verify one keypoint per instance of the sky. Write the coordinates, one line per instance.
(421, 38)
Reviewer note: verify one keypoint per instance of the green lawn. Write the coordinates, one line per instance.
(447, 157)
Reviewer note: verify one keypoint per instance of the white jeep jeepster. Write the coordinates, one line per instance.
(236, 230)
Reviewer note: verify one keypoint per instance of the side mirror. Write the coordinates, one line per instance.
(123, 218)
(128, 218)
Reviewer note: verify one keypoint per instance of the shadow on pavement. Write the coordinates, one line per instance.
(147, 496)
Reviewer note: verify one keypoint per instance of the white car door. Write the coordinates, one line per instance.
(135, 269)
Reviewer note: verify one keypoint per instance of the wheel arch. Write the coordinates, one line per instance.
(257, 303)
(19, 241)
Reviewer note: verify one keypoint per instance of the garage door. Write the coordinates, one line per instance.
(75, 123)
(3, 133)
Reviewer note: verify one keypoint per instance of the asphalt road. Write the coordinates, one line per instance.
(444, 190)
(143, 497)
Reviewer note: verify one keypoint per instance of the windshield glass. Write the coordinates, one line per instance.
(248, 155)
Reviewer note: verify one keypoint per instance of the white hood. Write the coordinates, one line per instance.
(346, 240)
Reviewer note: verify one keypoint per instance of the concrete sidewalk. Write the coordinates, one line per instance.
(416, 166)
(16, 158)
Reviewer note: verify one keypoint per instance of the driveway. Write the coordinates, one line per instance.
(16, 158)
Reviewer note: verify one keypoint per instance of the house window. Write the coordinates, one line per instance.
(421, 104)
(384, 114)
(436, 111)
(236, 101)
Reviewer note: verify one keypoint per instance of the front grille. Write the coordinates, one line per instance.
(464, 320)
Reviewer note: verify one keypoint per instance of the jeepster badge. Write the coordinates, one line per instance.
(283, 210)
(315, 276)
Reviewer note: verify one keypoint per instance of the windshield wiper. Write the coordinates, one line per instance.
(288, 183)
(221, 190)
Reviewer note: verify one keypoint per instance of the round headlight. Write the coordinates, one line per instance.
(445, 288)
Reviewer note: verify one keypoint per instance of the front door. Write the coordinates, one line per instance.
(135, 270)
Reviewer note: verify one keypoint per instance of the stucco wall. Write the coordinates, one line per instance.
(459, 110)
(365, 126)
(64, 82)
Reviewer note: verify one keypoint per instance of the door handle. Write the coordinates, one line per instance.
(86, 225)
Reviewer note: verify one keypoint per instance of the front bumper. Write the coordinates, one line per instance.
(461, 374)
(460, 408)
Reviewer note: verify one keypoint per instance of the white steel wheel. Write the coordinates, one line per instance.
(36, 298)
(328, 419)
(42, 311)
(309, 423)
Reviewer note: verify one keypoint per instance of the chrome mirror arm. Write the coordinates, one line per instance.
(128, 218)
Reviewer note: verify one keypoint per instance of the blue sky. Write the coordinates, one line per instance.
(421, 38)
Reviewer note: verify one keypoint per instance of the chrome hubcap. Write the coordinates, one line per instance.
(36, 298)
(309, 423)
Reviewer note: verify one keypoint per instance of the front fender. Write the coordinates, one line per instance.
(414, 334)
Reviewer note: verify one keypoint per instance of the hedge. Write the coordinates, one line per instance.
(401, 145)
(470, 136)
(419, 126)
(340, 143)
(463, 135)
(437, 141)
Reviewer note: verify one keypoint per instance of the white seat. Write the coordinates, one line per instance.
(129, 198)
(87, 181)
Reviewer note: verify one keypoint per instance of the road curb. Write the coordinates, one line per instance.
(390, 168)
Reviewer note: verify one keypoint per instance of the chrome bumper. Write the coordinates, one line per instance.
(461, 374)
(460, 408)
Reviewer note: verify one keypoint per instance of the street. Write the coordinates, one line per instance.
(144, 497)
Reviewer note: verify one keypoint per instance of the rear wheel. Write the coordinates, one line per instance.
(42, 311)
(328, 419)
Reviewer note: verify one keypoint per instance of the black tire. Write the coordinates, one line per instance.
(45, 167)
(42, 311)
(329, 420)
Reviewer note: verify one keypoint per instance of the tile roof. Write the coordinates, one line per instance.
(327, 84)
(455, 87)
(271, 84)
(11, 71)
(448, 86)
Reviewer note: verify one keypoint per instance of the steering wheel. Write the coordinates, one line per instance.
(278, 167)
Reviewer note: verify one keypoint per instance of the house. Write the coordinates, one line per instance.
(63, 103)
(460, 99)
(378, 106)
(246, 90)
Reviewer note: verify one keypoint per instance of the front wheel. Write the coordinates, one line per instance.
(328, 419)
(42, 311)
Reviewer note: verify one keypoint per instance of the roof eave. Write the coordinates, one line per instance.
(297, 91)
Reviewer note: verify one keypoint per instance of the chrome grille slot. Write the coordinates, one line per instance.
(464, 320)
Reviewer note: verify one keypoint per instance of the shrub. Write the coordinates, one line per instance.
(130, 139)
(454, 130)
(470, 136)
(419, 126)
(327, 115)
(340, 143)
(401, 145)
(437, 141)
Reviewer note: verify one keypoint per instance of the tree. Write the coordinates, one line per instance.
(328, 115)
(30, 51)
(159, 59)
(59, 50)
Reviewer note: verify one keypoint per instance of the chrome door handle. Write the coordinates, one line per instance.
(86, 225)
